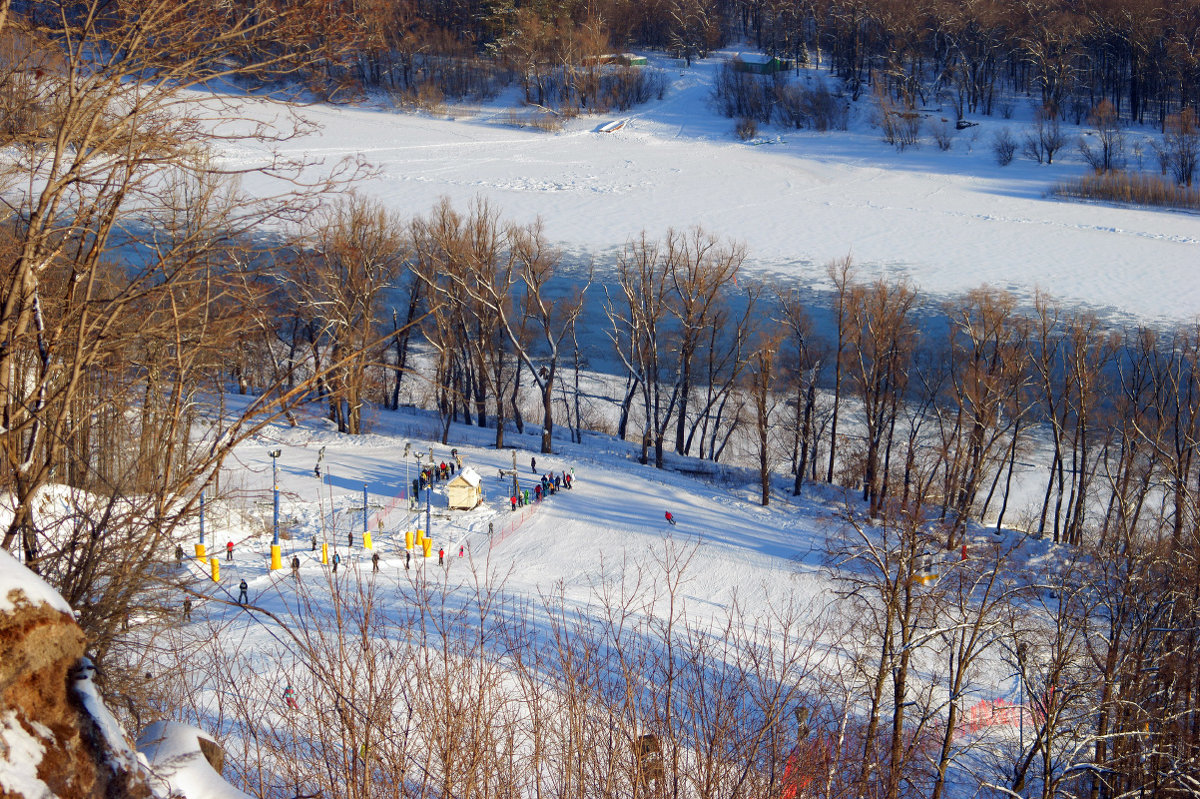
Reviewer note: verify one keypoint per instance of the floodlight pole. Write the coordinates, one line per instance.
(276, 555)
(275, 486)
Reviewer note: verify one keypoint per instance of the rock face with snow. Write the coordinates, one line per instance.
(53, 739)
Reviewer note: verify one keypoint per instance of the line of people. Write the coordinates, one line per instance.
(549, 484)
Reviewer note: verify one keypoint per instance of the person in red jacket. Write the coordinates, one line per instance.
(670, 518)
(228, 550)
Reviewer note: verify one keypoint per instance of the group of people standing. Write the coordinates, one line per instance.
(549, 483)
(437, 472)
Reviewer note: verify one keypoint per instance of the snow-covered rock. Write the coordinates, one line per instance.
(182, 760)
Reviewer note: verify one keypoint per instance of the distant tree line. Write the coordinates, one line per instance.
(1138, 55)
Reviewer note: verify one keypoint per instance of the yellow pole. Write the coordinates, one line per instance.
(408, 539)
(216, 569)
(200, 554)
(427, 543)
(276, 557)
(324, 554)
(367, 539)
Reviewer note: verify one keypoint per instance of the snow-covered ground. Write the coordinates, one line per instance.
(949, 221)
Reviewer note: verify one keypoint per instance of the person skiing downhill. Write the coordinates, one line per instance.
(670, 518)
(289, 696)
(533, 465)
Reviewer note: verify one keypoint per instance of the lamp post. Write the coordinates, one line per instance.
(276, 555)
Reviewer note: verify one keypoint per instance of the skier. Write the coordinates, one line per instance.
(375, 561)
(557, 482)
(461, 547)
(178, 555)
(336, 560)
(670, 518)
(349, 540)
(513, 501)
(441, 556)
(533, 465)
(187, 608)
(567, 480)
(296, 566)
(537, 492)
(229, 551)
(314, 546)
(289, 697)
(407, 558)
(243, 596)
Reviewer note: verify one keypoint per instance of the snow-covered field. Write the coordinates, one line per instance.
(949, 221)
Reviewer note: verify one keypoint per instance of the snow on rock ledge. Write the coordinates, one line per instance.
(182, 759)
(54, 739)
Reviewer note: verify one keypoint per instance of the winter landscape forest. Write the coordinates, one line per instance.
(688, 399)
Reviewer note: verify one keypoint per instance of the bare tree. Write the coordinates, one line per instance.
(762, 377)
(353, 254)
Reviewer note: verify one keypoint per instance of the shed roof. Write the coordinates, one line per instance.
(468, 476)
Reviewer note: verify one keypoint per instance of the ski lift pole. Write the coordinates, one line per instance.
(429, 498)
(200, 553)
(366, 522)
(276, 555)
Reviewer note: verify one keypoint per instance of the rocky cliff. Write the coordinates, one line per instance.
(56, 737)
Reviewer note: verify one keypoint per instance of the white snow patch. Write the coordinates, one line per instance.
(178, 765)
(18, 584)
(20, 754)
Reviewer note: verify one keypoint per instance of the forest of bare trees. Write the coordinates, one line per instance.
(1140, 56)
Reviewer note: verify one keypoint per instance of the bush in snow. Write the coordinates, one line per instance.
(1004, 146)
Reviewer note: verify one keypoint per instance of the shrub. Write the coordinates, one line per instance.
(1128, 187)
(942, 135)
(746, 128)
(741, 94)
(1045, 136)
(1107, 153)
(816, 107)
(1004, 146)
(901, 128)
